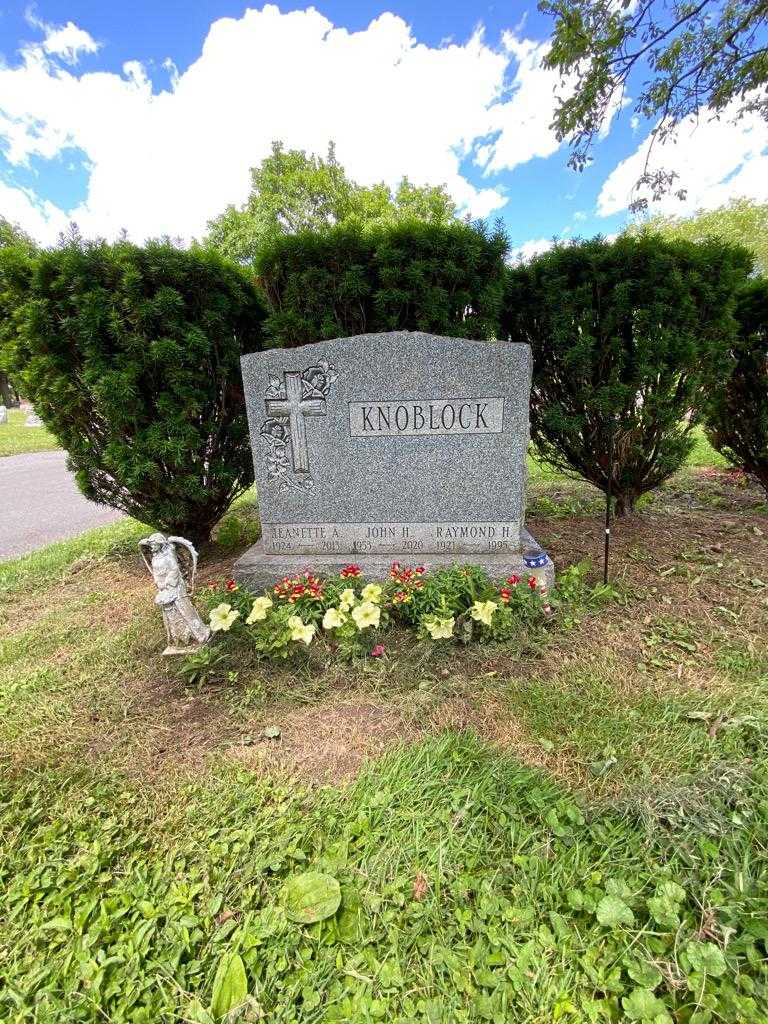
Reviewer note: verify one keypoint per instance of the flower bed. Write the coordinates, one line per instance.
(351, 615)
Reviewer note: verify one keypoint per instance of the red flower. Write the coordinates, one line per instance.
(513, 579)
(231, 585)
(377, 651)
(532, 582)
(506, 593)
(350, 570)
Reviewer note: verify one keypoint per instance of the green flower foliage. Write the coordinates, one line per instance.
(737, 413)
(627, 337)
(444, 279)
(131, 357)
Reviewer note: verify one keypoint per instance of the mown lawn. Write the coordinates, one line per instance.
(573, 827)
(17, 439)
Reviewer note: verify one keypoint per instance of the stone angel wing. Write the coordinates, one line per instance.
(187, 559)
(145, 549)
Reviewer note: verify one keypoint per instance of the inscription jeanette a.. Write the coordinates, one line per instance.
(417, 417)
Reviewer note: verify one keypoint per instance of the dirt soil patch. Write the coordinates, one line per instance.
(328, 743)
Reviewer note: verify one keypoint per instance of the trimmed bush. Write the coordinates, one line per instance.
(131, 357)
(625, 336)
(442, 279)
(737, 411)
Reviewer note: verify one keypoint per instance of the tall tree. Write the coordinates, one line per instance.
(293, 192)
(697, 54)
(11, 234)
(742, 222)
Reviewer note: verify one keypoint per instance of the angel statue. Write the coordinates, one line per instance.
(173, 563)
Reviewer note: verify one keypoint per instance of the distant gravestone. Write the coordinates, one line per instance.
(3, 414)
(33, 420)
(389, 447)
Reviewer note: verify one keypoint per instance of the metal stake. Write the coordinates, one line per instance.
(608, 497)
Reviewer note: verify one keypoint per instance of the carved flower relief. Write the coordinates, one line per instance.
(317, 380)
(276, 430)
(275, 388)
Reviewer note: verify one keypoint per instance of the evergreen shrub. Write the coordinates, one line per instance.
(627, 337)
(441, 279)
(737, 410)
(131, 356)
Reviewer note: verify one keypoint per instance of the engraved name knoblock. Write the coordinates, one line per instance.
(400, 444)
(409, 419)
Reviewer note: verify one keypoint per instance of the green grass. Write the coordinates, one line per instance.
(703, 453)
(518, 869)
(17, 439)
(473, 890)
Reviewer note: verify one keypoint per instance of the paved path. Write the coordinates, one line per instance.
(40, 503)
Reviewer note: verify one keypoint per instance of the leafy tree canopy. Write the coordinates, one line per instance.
(292, 192)
(13, 234)
(706, 54)
(742, 222)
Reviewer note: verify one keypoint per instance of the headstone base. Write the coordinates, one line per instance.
(257, 570)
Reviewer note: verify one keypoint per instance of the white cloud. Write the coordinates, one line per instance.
(716, 160)
(523, 119)
(66, 42)
(41, 219)
(165, 162)
(533, 247)
(580, 215)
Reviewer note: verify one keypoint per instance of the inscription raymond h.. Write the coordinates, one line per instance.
(416, 418)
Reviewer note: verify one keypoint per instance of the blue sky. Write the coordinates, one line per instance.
(147, 116)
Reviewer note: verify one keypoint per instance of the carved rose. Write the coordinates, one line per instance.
(317, 380)
(276, 429)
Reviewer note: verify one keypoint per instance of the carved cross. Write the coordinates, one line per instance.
(296, 408)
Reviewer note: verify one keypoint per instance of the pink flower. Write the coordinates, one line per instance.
(377, 651)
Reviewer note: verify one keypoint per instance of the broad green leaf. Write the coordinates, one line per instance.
(645, 975)
(664, 911)
(706, 957)
(611, 912)
(642, 1004)
(671, 891)
(230, 986)
(310, 897)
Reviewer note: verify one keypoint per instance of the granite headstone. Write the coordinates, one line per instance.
(3, 414)
(389, 447)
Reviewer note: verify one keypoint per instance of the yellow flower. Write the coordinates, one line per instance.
(440, 629)
(334, 618)
(366, 614)
(482, 611)
(259, 611)
(222, 617)
(372, 593)
(347, 599)
(301, 631)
